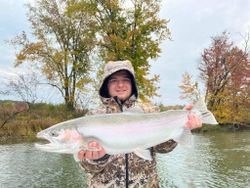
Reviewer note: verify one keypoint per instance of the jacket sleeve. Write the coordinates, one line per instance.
(165, 147)
(95, 166)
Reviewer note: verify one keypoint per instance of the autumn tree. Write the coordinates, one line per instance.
(189, 88)
(132, 30)
(60, 45)
(225, 71)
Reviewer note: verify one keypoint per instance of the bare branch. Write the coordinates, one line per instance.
(19, 107)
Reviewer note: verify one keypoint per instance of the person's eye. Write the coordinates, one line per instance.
(126, 80)
(112, 81)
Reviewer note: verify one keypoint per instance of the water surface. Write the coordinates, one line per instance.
(215, 160)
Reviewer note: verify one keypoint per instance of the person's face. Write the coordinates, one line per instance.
(119, 84)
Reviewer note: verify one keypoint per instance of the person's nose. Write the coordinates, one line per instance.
(120, 83)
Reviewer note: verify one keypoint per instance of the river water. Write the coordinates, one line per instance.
(215, 160)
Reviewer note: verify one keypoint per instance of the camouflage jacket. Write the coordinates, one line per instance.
(118, 170)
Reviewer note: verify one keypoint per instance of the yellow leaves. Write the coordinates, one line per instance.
(229, 108)
(20, 57)
(189, 89)
(120, 43)
(34, 47)
(30, 52)
(83, 81)
(223, 112)
(115, 42)
(58, 56)
(47, 70)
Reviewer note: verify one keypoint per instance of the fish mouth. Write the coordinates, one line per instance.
(47, 144)
(44, 138)
(52, 144)
(52, 147)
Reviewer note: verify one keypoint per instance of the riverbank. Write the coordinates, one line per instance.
(222, 127)
(22, 127)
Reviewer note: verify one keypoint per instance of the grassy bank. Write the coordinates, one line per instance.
(24, 126)
(225, 127)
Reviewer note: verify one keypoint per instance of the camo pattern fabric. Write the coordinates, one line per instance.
(110, 171)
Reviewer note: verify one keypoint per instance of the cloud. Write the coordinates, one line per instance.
(192, 24)
(10, 73)
(12, 17)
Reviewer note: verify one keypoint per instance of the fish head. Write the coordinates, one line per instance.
(60, 141)
(60, 136)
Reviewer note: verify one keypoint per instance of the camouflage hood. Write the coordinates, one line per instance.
(112, 67)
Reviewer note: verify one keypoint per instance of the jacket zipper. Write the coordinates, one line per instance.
(126, 166)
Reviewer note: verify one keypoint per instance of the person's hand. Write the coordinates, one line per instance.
(193, 120)
(86, 154)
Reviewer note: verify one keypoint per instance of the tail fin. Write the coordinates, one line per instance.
(206, 116)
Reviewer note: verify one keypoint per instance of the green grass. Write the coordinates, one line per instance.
(24, 126)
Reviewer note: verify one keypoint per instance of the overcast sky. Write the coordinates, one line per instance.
(192, 24)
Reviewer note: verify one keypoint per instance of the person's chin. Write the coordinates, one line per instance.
(122, 97)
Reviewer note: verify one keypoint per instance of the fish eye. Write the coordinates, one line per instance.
(53, 134)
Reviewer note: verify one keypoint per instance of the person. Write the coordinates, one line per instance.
(118, 93)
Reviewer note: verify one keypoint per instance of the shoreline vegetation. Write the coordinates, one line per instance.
(23, 124)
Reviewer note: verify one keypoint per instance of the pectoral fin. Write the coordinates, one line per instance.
(144, 154)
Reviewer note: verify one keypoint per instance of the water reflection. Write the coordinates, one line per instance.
(215, 160)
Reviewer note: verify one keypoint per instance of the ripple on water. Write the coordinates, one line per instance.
(206, 164)
(215, 160)
(24, 166)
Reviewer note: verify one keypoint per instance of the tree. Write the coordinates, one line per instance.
(225, 70)
(63, 42)
(132, 30)
(24, 87)
(189, 89)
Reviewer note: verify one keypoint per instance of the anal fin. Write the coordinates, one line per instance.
(144, 154)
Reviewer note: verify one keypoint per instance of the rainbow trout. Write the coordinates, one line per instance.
(121, 133)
